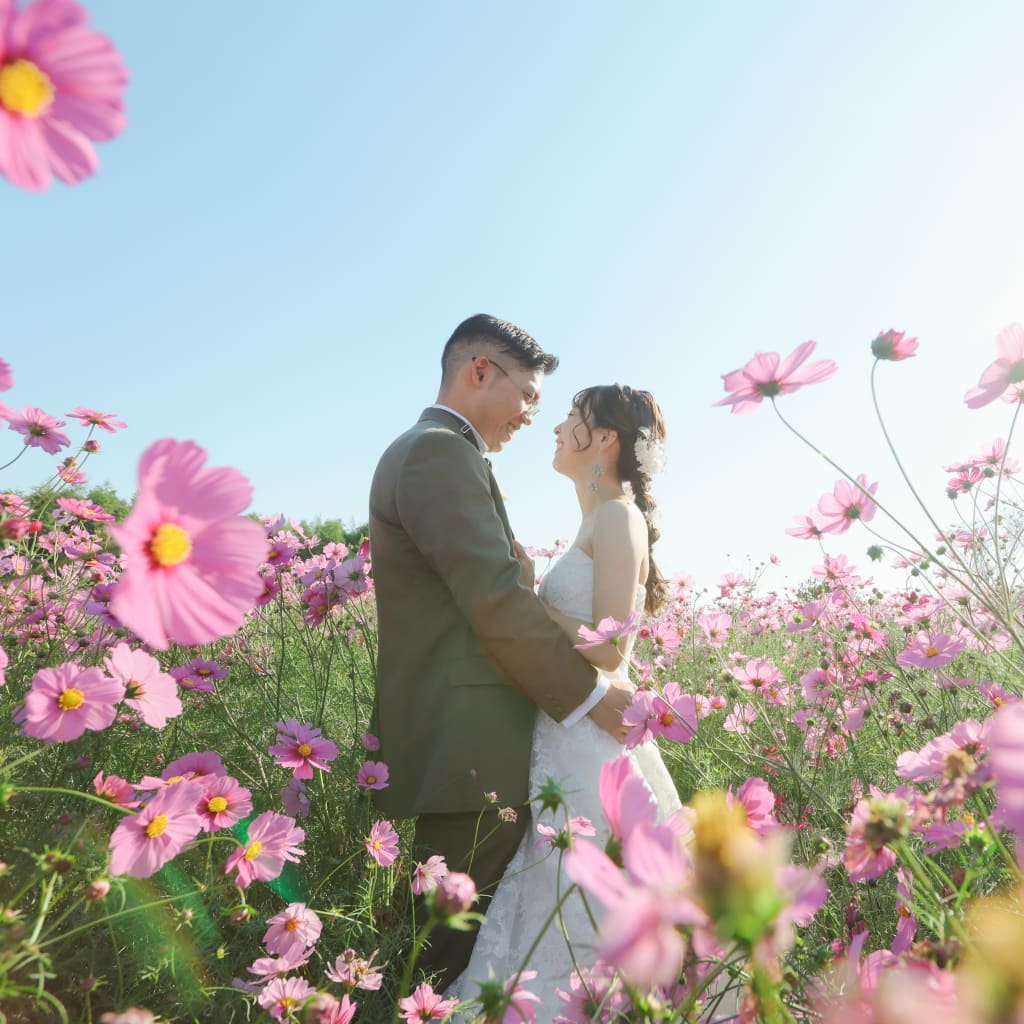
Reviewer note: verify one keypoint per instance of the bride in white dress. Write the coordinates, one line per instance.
(607, 446)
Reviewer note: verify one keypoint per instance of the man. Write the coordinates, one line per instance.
(467, 652)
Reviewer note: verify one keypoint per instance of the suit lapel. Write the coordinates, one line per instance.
(499, 504)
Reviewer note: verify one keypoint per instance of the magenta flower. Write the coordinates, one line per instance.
(373, 775)
(426, 876)
(369, 742)
(455, 893)
(61, 89)
(294, 927)
(95, 418)
(294, 798)
(639, 719)
(191, 558)
(224, 801)
(675, 714)
(608, 630)
(188, 680)
(65, 701)
(356, 971)
(148, 689)
(87, 511)
(283, 996)
(144, 842)
(758, 675)
(930, 650)
(115, 789)
(300, 748)
(1004, 373)
(425, 1005)
(41, 430)
(758, 802)
(894, 346)
(847, 503)
(382, 843)
(272, 840)
(1006, 760)
(765, 377)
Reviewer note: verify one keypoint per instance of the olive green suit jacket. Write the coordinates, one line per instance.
(466, 652)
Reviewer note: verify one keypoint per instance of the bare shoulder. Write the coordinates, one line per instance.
(619, 521)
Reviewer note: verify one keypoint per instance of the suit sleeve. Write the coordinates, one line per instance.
(445, 504)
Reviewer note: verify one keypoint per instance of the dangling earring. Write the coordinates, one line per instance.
(596, 472)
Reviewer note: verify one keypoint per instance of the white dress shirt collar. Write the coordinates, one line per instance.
(480, 442)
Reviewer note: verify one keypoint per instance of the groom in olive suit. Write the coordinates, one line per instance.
(466, 651)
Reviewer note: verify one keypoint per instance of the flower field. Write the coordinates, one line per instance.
(186, 771)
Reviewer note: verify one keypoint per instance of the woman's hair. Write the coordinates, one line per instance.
(618, 407)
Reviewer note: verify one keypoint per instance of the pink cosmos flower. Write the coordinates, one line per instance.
(295, 799)
(426, 876)
(625, 800)
(224, 801)
(294, 927)
(283, 996)
(267, 968)
(739, 718)
(716, 627)
(877, 820)
(148, 689)
(382, 843)
(562, 838)
(1004, 373)
(455, 893)
(608, 630)
(1006, 759)
(61, 89)
(357, 972)
(807, 528)
(272, 840)
(115, 789)
(88, 511)
(893, 345)
(369, 742)
(758, 801)
(40, 429)
(188, 680)
(191, 559)
(300, 748)
(521, 1008)
(6, 376)
(758, 675)
(847, 503)
(95, 418)
(765, 376)
(333, 1011)
(373, 775)
(930, 650)
(425, 1005)
(65, 701)
(143, 842)
(639, 719)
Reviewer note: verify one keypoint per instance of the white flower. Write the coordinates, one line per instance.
(650, 453)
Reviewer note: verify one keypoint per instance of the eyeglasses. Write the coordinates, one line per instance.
(530, 398)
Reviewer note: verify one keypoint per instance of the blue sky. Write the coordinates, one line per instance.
(307, 200)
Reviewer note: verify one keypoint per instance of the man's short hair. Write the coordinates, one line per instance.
(505, 337)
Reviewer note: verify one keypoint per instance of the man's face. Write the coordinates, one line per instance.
(510, 402)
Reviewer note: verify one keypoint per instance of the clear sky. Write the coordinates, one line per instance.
(308, 198)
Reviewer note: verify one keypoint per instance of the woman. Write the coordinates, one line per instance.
(608, 446)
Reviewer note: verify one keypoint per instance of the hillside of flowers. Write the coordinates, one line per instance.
(187, 827)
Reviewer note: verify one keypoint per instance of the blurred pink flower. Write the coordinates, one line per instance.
(765, 376)
(188, 680)
(807, 528)
(39, 428)
(877, 821)
(4, 662)
(739, 718)
(758, 801)
(272, 840)
(894, 346)
(283, 996)
(65, 701)
(268, 967)
(143, 842)
(148, 689)
(758, 675)
(1006, 760)
(88, 511)
(930, 650)
(455, 893)
(295, 799)
(191, 558)
(369, 741)
(356, 971)
(300, 748)
(625, 800)
(224, 801)
(608, 630)
(520, 1008)
(425, 1005)
(6, 376)
(61, 89)
(426, 876)
(93, 417)
(382, 843)
(1005, 372)
(373, 775)
(115, 789)
(562, 838)
(716, 627)
(847, 503)
(295, 927)
(675, 714)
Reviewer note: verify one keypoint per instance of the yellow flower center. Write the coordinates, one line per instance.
(253, 850)
(371, 780)
(25, 88)
(667, 719)
(175, 779)
(304, 750)
(156, 826)
(216, 805)
(169, 545)
(931, 652)
(70, 699)
(291, 924)
(286, 1002)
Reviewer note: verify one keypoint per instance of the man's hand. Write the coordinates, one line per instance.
(607, 712)
(527, 571)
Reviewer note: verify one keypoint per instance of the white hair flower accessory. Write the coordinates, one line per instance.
(650, 453)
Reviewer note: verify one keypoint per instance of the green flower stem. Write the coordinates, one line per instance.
(74, 792)
(923, 877)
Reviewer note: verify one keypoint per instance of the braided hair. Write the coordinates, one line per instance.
(620, 408)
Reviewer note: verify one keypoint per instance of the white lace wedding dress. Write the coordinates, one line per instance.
(535, 879)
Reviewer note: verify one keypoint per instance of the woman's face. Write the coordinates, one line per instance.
(571, 440)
